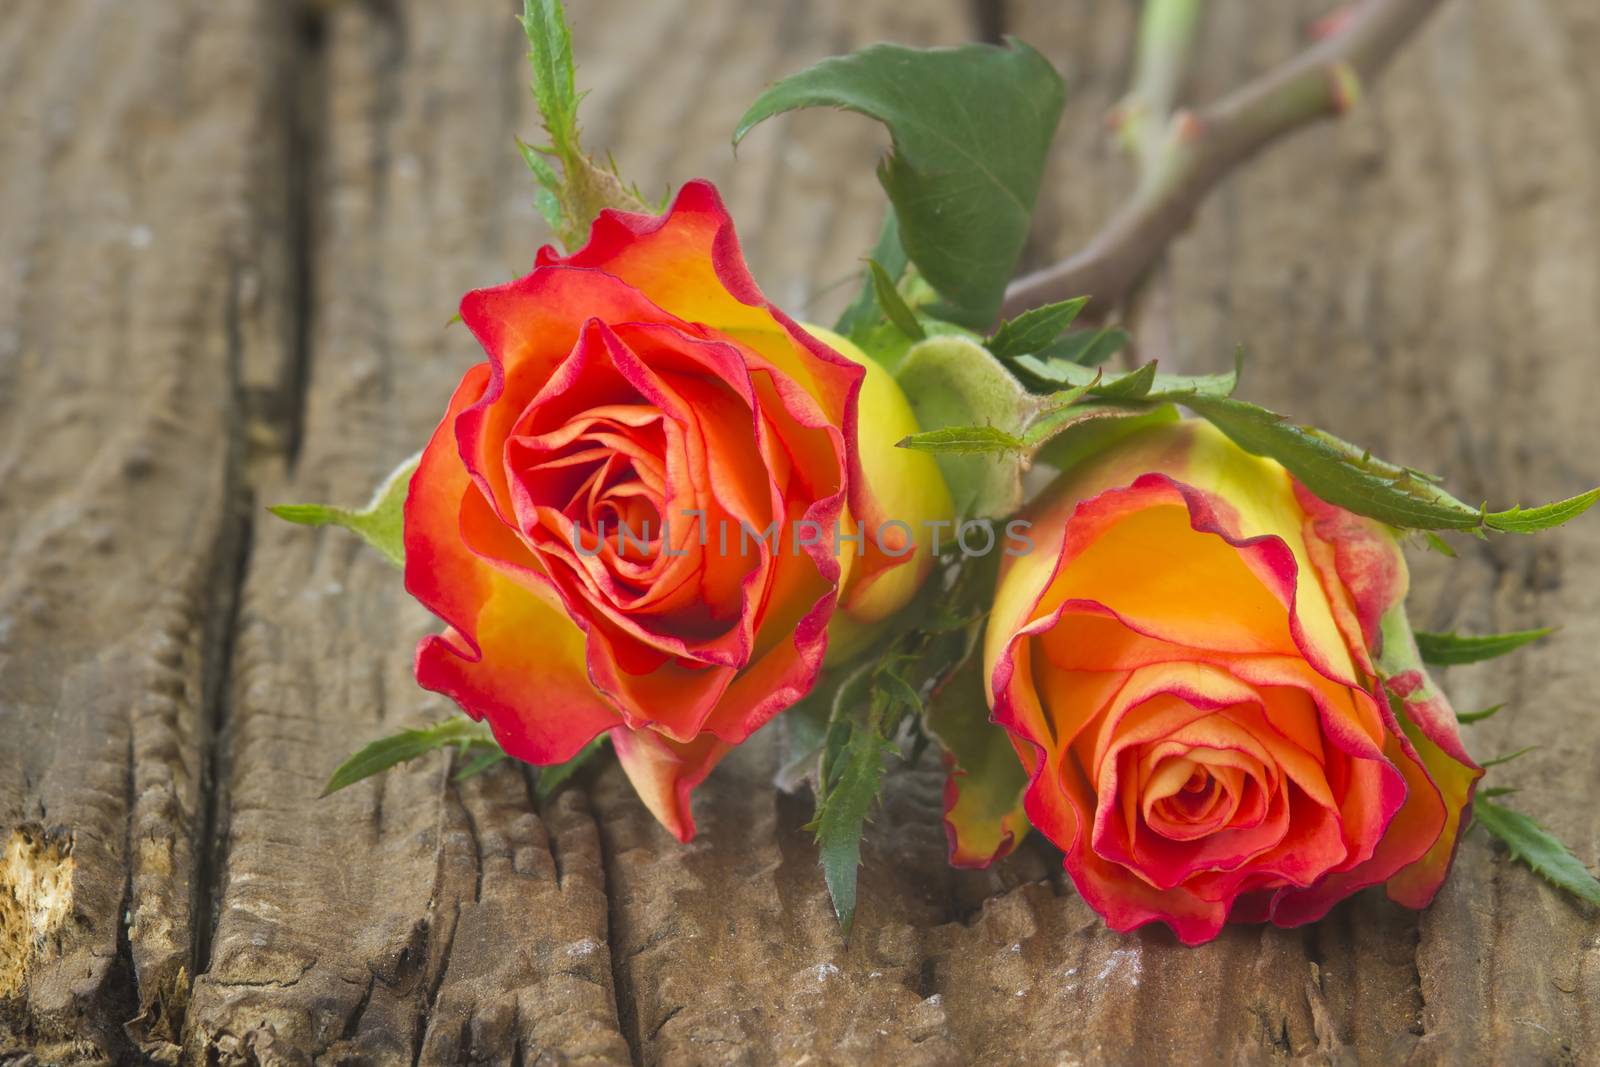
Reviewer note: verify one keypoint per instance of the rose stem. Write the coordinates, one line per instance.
(1196, 151)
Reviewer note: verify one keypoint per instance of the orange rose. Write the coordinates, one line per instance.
(627, 516)
(1192, 664)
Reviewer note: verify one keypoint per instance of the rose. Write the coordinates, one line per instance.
(644, 388)
(1191, 665)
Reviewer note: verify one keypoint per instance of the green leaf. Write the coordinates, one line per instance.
(1438, 544)
(406, 745)
(1538, 848)
(381, 523)
(550, 778)
(1508, 757)
(1087, 348)
(1055, 414)
(864, 311)
(554, 78)
(486, 758)
(1146, 383)
(894, 306)
(1495, 791)
(1135, 385)
(842, 814)
(900, 692)
(1337, 471)
(971, 130)
(963, 441)
(548, 197)
(1453, 649)
(1469, 717)
(955, 383)
(1034, 330)
(569, 202)
(1532, 520)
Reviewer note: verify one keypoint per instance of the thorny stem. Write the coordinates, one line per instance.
(1166, 35)
(1198, 150)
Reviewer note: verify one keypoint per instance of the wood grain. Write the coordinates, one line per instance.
(238, 232)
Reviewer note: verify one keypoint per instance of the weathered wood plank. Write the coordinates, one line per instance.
(406, 916)
(142, 197)
(1421, 277)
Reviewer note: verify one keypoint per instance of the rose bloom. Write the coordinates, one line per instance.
(1192, 665)
(644, 380)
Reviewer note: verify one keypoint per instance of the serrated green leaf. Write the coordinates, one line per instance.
(554, 78)
(1135, 385)
(550, 778)
(1033, 330)
(571, 202)
(380, 524)
(547, 199)
(842, 815)
(487, 757)
(893, 304)
(1087, 348)
(1532, 520)
(887, 252)
(1508, 757)
(963, 441)
(898, 691)
(1337, 471)
(1538, 848)
(1057, 412)
(971, 129)
(386, 752)
(954, 382)
(1469, 717)
(1453, 649)
(1438, 544)
(1146, 383)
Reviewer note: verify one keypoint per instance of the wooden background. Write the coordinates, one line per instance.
(231, 235)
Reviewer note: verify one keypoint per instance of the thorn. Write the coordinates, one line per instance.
(1333, 23)
(1187, 126)
(1346, 87)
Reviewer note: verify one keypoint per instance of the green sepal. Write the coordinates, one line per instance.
(893, 304)
(990, 778)
(1467, 718)
(1086, 348)
(1340, 473)
(1538, 848)
(380, 524)
(1508, 757)
(1532, 520)
(1453, 649)
(1033, 331)
(1145, 383)
(486, 758)
(548, 779)
(456, 732)
(887, 252)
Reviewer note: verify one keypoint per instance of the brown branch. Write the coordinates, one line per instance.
(1322, 82)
